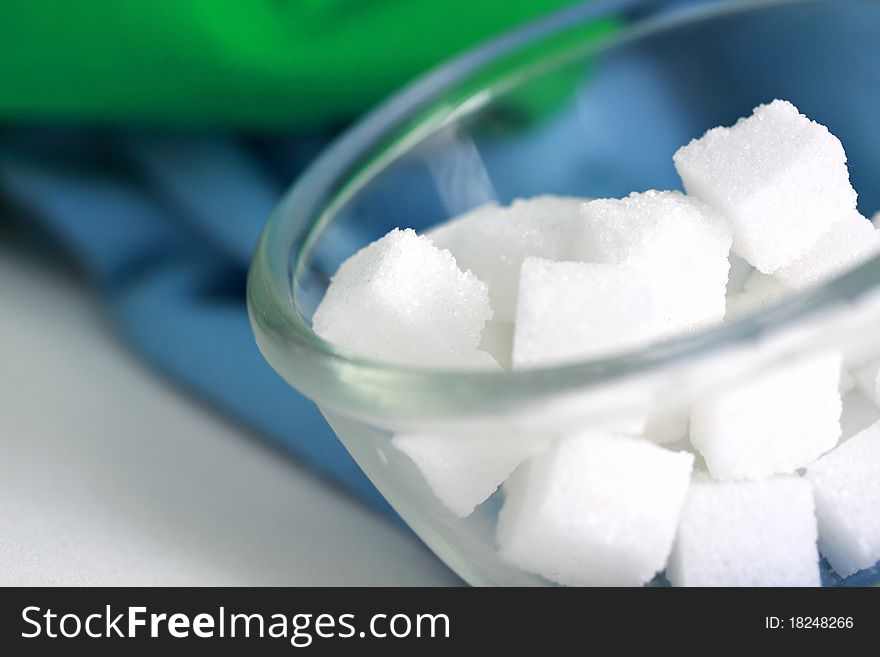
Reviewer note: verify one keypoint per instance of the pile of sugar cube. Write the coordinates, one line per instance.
(746, 487)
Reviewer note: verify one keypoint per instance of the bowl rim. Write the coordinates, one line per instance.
(332, 375)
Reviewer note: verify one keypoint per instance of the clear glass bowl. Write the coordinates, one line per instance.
(591, 102)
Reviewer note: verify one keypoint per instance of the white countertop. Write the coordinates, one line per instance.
(110, 475)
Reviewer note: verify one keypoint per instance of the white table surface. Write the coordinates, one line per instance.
(109, 475)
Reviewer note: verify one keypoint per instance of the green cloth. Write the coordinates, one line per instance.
(250, 63)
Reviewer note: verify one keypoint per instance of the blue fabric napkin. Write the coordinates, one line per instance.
(165, 226)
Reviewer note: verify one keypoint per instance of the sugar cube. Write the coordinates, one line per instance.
(846, 485)
(571, 310)
(594, 510)
(685, 445)
(758, 292)
(858, 414)
(851, 241)
(775, 422)
(402, 299)
(492, 241)
(463, 470)
(680, 243)
(497, 340)
(875, 219)
(867, 377)
(753, 533)
(847, 381)
(667, 426)
(739, 273)
(481, 360)
(780, 178)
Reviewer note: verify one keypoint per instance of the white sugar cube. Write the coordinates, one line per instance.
(667, 426)
(681, 244)
(754, 533)
(481, 360)
(739, 273)
(685, 445)
(847, 381)
(492, 241)
(464, 470)
(572, 310)
(858, 414)
(402, 299)
(595, 510)
(774, 422)
(497, 340)
(851, 241)
(876, 219)
(846, 485)
(780, 179)
(867, 378)
(758, 292)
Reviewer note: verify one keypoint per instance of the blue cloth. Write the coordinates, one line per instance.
(165, 227)
(165, 224)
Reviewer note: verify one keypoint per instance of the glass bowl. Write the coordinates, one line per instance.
(592, 102)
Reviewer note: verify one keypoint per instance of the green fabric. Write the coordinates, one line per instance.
(250, 63)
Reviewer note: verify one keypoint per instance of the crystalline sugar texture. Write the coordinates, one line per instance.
(492, 241)
(572, 310)
(681, 244)
(846, 485)
(402, 299)
(595, 510)
(774, 422)
(464, 470)
(755, 533)
(779, 178)
(851, 241)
